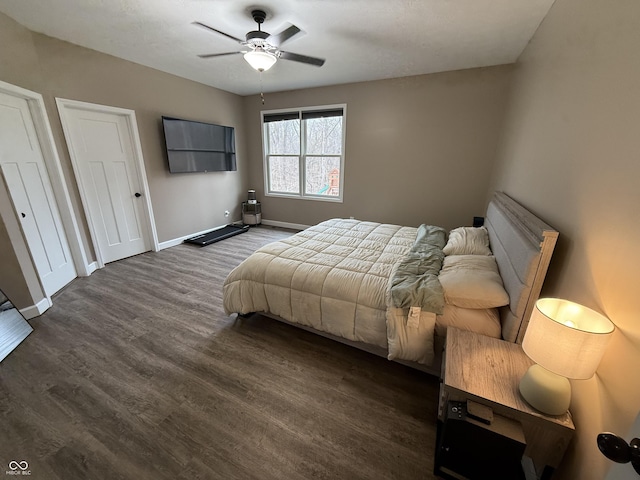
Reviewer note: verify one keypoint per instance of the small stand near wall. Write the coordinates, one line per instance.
(251, 210)
(251, 213)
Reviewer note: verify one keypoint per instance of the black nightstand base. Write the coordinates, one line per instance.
(465, 449)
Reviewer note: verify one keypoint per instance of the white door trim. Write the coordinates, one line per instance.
(132, 125)
(60, 193)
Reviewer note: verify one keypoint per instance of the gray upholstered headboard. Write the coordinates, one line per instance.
(523, 245)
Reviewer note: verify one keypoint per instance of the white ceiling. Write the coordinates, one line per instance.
(360, 39)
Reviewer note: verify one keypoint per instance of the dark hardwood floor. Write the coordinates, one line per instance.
(137, 373)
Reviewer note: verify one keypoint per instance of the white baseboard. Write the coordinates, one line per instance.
(292, 226)
(178, 241)
(87, 269)
(36, 310)
(171, 243)
(92, 267)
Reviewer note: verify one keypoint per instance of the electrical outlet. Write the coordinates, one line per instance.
(226, 213)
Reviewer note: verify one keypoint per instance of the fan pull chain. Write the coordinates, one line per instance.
(261, 94)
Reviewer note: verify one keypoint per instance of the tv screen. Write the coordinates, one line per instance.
(198, 147)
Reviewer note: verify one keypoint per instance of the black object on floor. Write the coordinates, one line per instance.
(217, 235)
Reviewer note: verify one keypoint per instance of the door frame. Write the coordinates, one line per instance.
(36, 104)
(130, 117)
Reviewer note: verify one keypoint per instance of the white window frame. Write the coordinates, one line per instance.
(303, 155)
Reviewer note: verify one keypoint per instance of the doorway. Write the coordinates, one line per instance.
(36, 209)
(106, 154)
(26, 178)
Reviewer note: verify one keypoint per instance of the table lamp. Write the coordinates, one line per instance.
(566, 340)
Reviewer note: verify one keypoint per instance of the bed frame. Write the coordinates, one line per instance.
(523, 245)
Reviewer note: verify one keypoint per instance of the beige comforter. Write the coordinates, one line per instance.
(334, 277)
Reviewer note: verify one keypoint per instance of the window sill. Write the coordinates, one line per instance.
(308, 197)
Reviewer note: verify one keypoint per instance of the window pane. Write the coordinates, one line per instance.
(323, 176)
(284, 174)
(324, 136)
(284, 137)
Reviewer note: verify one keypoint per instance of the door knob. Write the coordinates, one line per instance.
(137, 195)
(617, 449)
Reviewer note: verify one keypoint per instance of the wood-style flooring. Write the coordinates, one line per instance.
(137, 373)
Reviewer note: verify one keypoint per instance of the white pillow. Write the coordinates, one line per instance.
(468, 241)
(472, 281)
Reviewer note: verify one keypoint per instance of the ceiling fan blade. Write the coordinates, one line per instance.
(217, 31)
(278, 39)
(318, 62)
(211, 55)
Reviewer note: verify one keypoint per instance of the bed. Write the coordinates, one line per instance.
(393, 290)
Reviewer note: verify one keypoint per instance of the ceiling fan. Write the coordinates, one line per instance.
(263, 48)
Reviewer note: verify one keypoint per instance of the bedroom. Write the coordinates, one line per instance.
(557, 132)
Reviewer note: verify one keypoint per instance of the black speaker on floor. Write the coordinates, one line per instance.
(467, 449)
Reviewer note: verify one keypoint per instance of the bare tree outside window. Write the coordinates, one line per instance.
(305, 148)
(324, 148)
(284, 160)
(285, 174)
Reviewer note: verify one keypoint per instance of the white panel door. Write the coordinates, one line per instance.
(28, 183)
(103, 150)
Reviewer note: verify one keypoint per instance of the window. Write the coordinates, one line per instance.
(304, 152)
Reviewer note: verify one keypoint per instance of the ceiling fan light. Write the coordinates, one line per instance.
(260, 60)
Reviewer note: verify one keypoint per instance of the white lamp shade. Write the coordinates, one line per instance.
(260, 60)
(567, 338)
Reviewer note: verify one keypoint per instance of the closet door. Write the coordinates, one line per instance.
(27, 180)
(103, 146)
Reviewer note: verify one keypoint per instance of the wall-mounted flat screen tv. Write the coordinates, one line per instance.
(198, 147)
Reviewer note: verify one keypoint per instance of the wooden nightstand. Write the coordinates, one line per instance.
(487, 371)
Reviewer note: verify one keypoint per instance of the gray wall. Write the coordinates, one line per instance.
(571, 153)
(182, 204)
(418, 149)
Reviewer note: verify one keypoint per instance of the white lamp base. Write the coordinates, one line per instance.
(546, 391)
